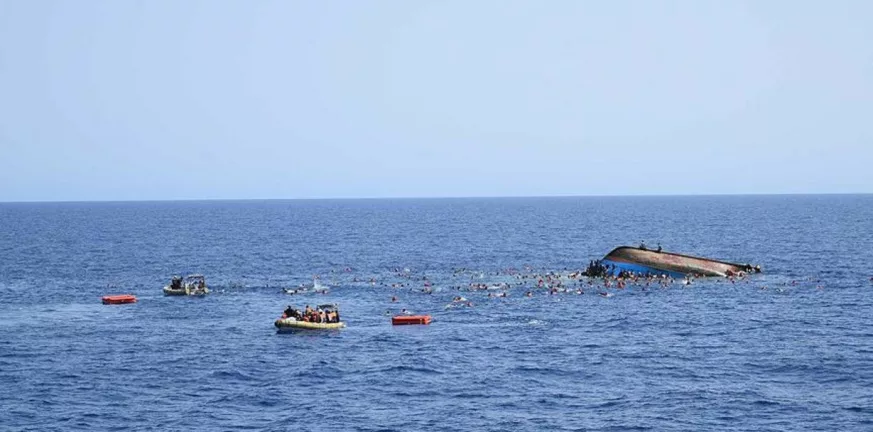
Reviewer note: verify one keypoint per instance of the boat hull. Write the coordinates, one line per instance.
(289, 325)
(675, 265)
(184, 292)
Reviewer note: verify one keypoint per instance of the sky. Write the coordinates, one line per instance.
(166, 99)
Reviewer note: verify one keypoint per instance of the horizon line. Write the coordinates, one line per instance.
(373, 198)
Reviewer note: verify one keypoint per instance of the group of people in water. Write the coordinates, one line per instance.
(317, 315)
(599, 276)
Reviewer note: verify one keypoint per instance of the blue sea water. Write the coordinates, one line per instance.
(790, 349)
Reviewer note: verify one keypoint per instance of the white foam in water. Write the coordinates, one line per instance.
(317, 285)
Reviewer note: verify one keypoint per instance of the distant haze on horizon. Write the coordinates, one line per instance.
(165, 100)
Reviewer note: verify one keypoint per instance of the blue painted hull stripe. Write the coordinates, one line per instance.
(638, 268)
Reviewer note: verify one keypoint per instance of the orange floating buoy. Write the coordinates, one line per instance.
(119, 299)
(410, 319)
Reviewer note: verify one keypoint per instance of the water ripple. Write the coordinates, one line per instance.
(789, 350)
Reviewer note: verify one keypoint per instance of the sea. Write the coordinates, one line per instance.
(790, 349)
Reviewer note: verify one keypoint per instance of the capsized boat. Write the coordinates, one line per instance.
(190, 285)
(641, 260)
(293, 319)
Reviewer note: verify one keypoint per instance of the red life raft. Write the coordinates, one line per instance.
(410, 319)
(119, 299)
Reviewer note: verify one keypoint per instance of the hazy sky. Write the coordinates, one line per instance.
(106, 100)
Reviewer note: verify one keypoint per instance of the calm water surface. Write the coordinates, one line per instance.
(791, 349)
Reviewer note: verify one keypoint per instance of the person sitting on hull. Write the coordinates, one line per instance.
(643, 245)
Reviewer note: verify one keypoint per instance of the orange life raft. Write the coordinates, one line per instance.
(410, 319)
(119, 299)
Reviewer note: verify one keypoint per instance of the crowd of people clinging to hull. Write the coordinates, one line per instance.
(598, 269)
(309, 314)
